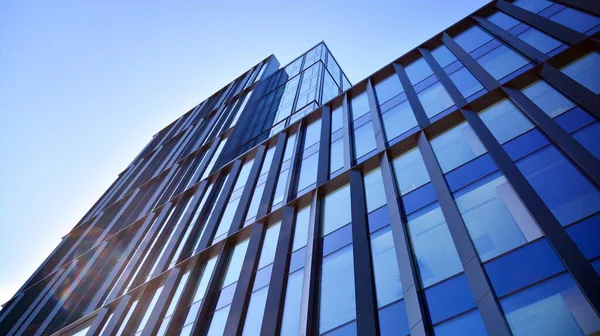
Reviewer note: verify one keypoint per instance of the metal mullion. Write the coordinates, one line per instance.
(546, 25)
(309, 310)
(364, 283)
(118, 314)
(415, 303)
(484, 77)
(97, 322)
(220, 205)
(324, 146)
(412, 97)
(158, 192)
(441, 75)
(243, 289)
(348, 148)
(246, 196)
(295, 162)
(572, 89)
(276, 294)
(563, 140)
(162, 303)
(489, 308)
(375, 117)
(117, 217)
(512, 40)
(580, 268)
(272, 176)
(204, 161)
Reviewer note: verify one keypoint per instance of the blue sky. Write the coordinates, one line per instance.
(85, 84)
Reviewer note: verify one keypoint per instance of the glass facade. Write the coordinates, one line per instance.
(453, 192)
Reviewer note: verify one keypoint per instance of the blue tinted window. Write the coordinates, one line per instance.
(495, 217)
(436, 261)
(435, 99)
(336, 303)
(378, 218)
(468, 324)
(505, 121)
(525, 144)
(290, 322)
(547, 98)
(256, 311)
(374, 191)
(393, 320)
(360, 105)
(502, 61)
(385, 267)
(345, 330)
(570, 196)
(587, 235)
(398, 120)
(449, 298)
(419, 198)
(335, 206)
(552, 307)
(457, 146)
(337, 239)
(388, 88)
(589, 137)
(443, 56)
(539, 40)
(585, 71)
(336, 160)
(418, 70)
(465, 82)
(410, 171)
(534, 6)
(218, 321)
(364, 140)
(522, 267)
(465, 174)
(574, 119)
(575, 19)
(472, 38)
(503, 21)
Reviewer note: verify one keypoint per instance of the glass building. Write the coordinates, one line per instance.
(453, 192)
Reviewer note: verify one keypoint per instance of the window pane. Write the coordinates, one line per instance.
(585, 71)
(570, 196)
(374, 191)
(554, 307)
(385, 267)
(301, 228)
(589, 137)
(313, 134)
(256, 311)
(337, 304)
(308, 172)
(337, 119)
(337, 156)
(418, 70)
(472, 38)
(388, 89)
(360, 105)
(465, 82)
(576, 20)
(503, 21)
(432, 245)
(435, 99)
(502, 61)
(467, 324)
(495, 217)
(505, 121)
(410, 171)
(539, 40)
(443, 56)
(548, 99)
(398, 119)
(364, 140)
(235, 264)
(534, 6)
(219, 319)
(393, 320)
(335, 210)
(456, 146)
(290, 321)
(267, 254)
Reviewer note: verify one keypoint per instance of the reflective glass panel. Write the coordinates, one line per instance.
(505, 121)
(410, 171)
(585, 71)
(547, 98)
(337, 298)
(457, 146)
(435, 99)
(388, 88)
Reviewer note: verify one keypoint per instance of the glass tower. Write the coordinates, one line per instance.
(453, 192)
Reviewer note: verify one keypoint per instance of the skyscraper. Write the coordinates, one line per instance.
(455, 191)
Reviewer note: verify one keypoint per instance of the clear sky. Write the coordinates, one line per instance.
(85, 84)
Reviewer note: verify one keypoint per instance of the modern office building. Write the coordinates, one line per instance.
(453, 192)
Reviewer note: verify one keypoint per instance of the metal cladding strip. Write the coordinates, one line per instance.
(566, 249)
(563, 140)
(453, 91)
(272, 176)
(572, 89)
(219, 207)
(65, 295)
(416, 305)
(489, 308)
(118, 314)
(97, 323)
(309, 310)
(511, 40)
(276, 293)
(411, 96)
(152, 325)
(375, 117)
(364, 284)
(324, 146)
(592, 7)
(243, 289)
(40, 302)
(117, 268)
(548, 26)
(484, 77)
(348, 152)
(246, 197)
